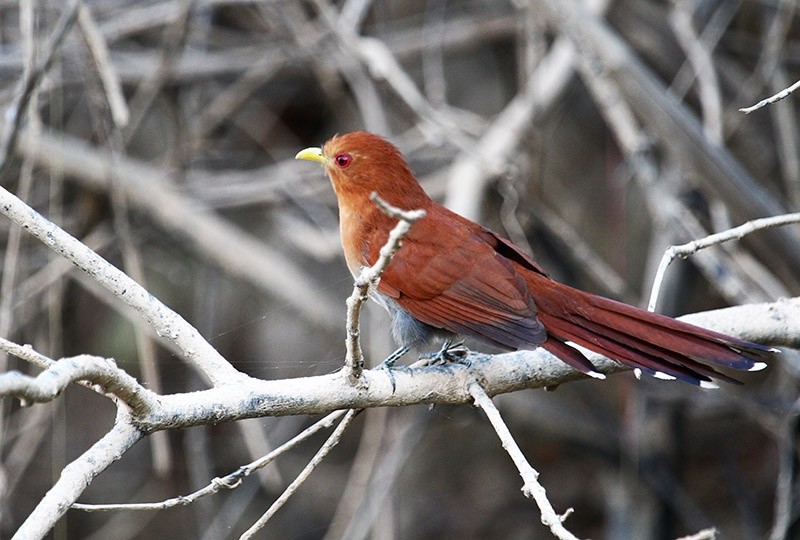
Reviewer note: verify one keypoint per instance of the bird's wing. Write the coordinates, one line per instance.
(459, 280)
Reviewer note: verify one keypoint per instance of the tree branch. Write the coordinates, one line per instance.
(166, 322)
(230, 481)
(332, 441)
(530, 477)
(368, 279)
(783, 94)
(76, 476)
(775, 324)
(100, 371)
(685, 250)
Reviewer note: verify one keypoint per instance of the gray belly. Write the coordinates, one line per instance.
(406, 330)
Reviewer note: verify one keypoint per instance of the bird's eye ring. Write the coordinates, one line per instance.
(343, 160)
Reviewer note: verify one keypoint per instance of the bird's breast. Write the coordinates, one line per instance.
(357, 234)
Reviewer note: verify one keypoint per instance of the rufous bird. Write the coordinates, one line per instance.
(453, 276)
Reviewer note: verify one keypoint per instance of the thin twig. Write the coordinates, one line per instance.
(108, 75)
(229, 481)
(783, 94)
(705, 534)
(18, 109)
(368, 279)
(737, 233)
(530, 477)
(332, 441)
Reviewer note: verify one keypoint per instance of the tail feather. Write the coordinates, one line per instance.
(640, 339)
(633, 351)
(570, 355)
(705, 344)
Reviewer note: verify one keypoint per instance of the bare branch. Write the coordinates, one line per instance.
(164, 320)
(332, 441)
(775, 324)
(705, 534)
(530, 477)
(230, 481)
(76, 476)
(368, 279)
(685, 250)
(100, 371)
(783, 94)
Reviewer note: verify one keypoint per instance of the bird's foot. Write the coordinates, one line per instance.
(450, 352)
(388, 364)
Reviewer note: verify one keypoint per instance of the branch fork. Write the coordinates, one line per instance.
(368, 279)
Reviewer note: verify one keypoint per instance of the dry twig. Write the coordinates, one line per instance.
(530, 477)
(368, 279)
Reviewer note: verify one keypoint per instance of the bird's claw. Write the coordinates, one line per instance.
(388, 364)
(450, 352)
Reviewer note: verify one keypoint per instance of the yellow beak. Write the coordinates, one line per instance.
(311, 154)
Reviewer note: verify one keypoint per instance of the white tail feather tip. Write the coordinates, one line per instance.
(596, 375)
(709, 384)
(637, 373)
(758, 366)
(663, 376)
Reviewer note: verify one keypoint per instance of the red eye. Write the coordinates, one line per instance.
(343, 160)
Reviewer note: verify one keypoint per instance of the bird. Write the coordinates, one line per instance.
(453, 277)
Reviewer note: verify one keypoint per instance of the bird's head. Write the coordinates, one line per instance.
(361, 163)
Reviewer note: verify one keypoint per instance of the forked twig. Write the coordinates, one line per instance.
(332, 441)
(684, 250)
(229, 481)
(368, 279)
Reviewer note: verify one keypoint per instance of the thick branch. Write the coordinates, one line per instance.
(77, 476)
(101, 371)
(165, 321)
(776, 324)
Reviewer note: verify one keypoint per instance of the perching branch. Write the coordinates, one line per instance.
(776, 324)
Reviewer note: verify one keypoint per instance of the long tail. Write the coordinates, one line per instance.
(656, 344)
